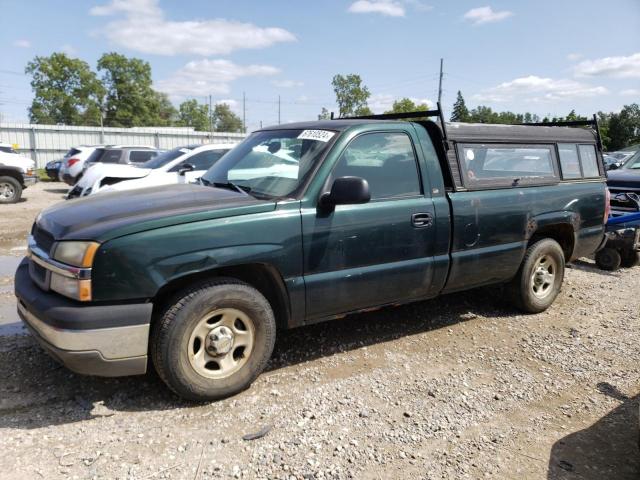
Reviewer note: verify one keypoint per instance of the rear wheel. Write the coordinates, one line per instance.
(10, 190)
(629, 258)
(540, 277)
(608, 259)
(214, 340)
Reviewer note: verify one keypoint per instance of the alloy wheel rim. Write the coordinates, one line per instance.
(221, 343)
(543, 276)
(6, 190)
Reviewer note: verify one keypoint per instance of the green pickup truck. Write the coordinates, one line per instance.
(303, 223)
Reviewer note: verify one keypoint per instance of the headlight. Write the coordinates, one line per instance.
(78, 254)
(71, 287)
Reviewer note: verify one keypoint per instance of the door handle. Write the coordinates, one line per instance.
(420, 220)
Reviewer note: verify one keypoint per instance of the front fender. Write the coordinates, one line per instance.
(137, 266)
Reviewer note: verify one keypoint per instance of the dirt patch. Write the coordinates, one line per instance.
(459, 387)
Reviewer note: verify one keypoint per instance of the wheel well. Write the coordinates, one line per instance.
(13, 174)
(561, 233)
(264, 278)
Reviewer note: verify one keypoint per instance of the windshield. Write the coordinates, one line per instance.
(165, 157)
(273, 163)
(634, 161)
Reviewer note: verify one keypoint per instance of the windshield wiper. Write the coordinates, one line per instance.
(232, 186)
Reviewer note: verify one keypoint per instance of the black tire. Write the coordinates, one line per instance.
(629, 258)
(10, 190)
(171, 334)
(608, 259)
(523, 287)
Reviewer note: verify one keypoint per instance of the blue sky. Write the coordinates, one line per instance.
(543, 56)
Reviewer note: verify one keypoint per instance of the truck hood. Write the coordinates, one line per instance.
(110, 215)
(17, 160)
(625, 177)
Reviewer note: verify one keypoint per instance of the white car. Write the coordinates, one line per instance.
(16, 173)
(180, 165)
(73, 163)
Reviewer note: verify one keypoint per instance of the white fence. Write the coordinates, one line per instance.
(48, 142)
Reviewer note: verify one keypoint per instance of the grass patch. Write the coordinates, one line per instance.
(42, 175)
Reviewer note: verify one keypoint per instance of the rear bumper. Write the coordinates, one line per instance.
(104, 340)
(68, 179)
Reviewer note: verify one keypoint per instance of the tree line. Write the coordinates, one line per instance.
(618, 130)
(120, 94)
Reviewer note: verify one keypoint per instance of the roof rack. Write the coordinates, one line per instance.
(401, 116)
(593, 123)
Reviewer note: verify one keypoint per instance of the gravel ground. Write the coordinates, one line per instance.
(458, 387)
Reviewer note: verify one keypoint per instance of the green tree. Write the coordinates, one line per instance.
(624, 127)
(167, 115)
(351, 95)
(324, 114)
(460, 111)
(406, 105)
(65, 91)
(193, 114)
(224, 120)
(131, 100)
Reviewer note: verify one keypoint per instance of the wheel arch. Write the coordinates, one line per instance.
(15, 173)
(263, 277)
(561, 232)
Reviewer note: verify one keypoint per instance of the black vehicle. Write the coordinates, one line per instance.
(53, 170)
(625, 179)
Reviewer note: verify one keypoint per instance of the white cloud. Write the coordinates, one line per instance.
(573, 57)
(631, 92)
(204, 77)
(68, 49)
(382, 102)
(616, 67)
(390, 8)
(537, 89)
(22, 43)
(287, 83)
(143, 27)
(482, 15)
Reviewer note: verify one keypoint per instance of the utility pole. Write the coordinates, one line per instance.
(210, 116)
(278, 109)
(440, 83)
(244, 113)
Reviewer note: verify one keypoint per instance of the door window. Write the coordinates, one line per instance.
(385, 160)
(204, 160)
(141, 156)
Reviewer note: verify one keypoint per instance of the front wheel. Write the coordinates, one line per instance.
(214, 340)
(539, 279)
(10, 190)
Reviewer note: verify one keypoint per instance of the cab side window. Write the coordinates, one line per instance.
(578, 161)
(386, 160)
(569, 160)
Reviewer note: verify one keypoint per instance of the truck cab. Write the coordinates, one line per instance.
(303, 223)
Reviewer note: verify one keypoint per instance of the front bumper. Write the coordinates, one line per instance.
(30, 180)
(103, 340)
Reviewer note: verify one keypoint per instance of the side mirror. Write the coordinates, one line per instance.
(184, 168)
(345, 191)
(613, 166)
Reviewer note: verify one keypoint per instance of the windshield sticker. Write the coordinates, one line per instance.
(319, 135)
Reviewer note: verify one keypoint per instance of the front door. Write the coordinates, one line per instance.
(360, 256)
